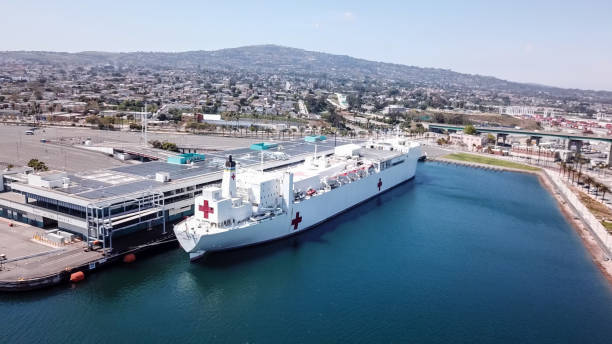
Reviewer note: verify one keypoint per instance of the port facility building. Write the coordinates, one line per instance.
(102, 204)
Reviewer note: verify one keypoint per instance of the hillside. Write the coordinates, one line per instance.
(280, 60)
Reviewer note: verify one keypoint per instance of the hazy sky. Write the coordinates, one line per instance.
(559, 43)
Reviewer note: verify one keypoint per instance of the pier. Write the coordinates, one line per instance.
(30, 264)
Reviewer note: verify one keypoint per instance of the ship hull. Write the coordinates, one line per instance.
(303, 215)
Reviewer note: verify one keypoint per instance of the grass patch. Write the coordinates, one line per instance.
(595, 207)
(488, 161)
(607, 225)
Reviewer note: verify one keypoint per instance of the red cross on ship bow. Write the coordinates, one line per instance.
(206, 209)
(295, 222)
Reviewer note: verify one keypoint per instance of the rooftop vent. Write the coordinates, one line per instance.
(49, 179)
(162, 177)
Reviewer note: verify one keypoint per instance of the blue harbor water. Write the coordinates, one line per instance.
(456, 255)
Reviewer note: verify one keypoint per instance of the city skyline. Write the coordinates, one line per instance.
(545, 43)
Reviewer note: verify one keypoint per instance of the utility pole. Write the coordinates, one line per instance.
(144, 125)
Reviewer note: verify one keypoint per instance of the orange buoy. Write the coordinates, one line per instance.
(77, 277)
(129, 258)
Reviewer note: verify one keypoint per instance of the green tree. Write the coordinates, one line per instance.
(438, 118)
(587, 180)
(603, 188)
(155, 144)
(562, 168)
(92, 119)
(469, 130)
(334, 119)
(596, 186)
(106, 123)
(37, 165)
(169, 146)
(354, 101)
(420, 129)
(165, 145)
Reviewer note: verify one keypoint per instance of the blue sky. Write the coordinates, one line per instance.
(558, 43)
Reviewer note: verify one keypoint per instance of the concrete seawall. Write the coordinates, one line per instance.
(598, 230)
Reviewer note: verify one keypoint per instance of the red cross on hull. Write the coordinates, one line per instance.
(379, 183)
(206, 209)
(295, 222)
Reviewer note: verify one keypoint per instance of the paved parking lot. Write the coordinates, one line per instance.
(17, 148)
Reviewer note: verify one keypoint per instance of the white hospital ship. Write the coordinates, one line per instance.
(253, 206)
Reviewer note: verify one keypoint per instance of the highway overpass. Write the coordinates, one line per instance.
(571, 138)
(511, 131)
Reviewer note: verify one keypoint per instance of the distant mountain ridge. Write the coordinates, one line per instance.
(279, 60)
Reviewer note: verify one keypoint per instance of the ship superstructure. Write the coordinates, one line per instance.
(254, 206)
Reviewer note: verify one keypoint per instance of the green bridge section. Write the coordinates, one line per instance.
(575, 139)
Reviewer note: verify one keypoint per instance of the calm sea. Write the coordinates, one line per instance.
(455, 255)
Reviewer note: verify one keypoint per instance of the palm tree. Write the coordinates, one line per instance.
(588, 180)
(562, 168)
(569, 170)
(603, 188)
(581, 160)
(596, 186)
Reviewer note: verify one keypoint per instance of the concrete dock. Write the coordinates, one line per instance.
(33, 264)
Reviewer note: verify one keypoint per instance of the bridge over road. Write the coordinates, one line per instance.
(575, 139)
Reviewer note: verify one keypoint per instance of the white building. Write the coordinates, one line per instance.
(517, 110)
(606, 117)
(471, 141)
(394, 110)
